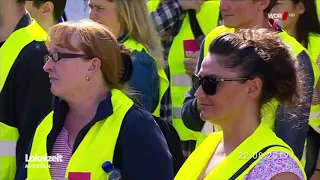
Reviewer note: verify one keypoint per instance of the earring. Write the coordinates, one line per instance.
(87, 78)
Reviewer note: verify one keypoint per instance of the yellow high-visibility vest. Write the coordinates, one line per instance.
(251, 148)
(88, 158)
(180, 82)
(8, 53)
(163, 80)
(314, 50)
(314, 118)
(269, 110)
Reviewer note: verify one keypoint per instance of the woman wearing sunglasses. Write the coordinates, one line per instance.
(242, 72)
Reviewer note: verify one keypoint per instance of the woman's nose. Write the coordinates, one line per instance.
(92, 15)
(48, 66)
(199, 93)
(224, 4)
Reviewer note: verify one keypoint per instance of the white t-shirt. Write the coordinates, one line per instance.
(77, 9)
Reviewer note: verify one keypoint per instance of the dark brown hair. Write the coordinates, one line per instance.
(59, 6)
(261, 53)
(21, 1)
(308, 22)
(272, 3)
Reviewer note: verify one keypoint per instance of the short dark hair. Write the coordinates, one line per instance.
(270, 6)
(21, 1)
(261, 53)
(59, 6)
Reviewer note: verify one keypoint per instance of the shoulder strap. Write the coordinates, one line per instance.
(173, 141)
(253, 159)
(64, 16)
(195, 27)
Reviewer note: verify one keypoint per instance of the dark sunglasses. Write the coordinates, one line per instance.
(57, 56)
(209, 83)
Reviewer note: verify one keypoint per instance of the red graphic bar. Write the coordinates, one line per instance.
(285, 16)
(79, 176)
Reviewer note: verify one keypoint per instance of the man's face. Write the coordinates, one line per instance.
(1, 10)
(7, 7)
(238, 13)
(34, 12)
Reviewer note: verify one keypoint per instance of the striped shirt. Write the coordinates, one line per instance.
(58, 169)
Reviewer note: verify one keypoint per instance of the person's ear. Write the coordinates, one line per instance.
(47, 8)
(93, 68)
(95, 65)
(300, 8)
(263, 4)
(254, 89)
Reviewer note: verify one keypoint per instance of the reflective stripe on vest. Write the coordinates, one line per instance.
(180, 82)
(8, 54)
(260, 139)
(163, 80)
(176, 112)
(85, 158)
(8, 148)
(8, 140)
(314, 50)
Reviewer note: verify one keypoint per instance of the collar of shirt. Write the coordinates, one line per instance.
(61, 108)
(24, 21)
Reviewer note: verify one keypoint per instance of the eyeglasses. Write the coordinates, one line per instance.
(57, 56)
(209, 83)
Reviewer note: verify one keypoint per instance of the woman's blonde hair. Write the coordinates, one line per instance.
(95, 40)
(135, 19)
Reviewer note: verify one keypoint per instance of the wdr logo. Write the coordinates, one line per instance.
(283, 16)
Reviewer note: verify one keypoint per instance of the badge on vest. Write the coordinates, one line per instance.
(191, 48)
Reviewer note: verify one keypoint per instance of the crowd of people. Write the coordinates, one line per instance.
(160, 89)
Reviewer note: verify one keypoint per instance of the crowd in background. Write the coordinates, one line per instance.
(184, 89)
